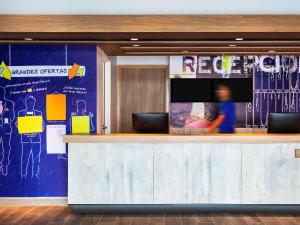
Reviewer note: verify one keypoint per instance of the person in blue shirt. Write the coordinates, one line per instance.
(227, 115)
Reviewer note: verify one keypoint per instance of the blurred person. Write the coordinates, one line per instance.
(225, 121)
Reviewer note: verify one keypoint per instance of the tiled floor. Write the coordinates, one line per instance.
(60, 215)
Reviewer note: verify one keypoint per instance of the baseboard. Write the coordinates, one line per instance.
(170, 208)
(36, 201)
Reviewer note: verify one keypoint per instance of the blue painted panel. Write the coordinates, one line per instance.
(27, 174)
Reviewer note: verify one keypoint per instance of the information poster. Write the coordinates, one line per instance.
(41, 88)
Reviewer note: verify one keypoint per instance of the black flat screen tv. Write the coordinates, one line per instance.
(204, 90)
(150, 122)
(191, 90)
(284, 123)
(241, 88)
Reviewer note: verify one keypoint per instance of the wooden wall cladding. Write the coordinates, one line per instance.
(149, 23)
(140, 89)
(160, 34)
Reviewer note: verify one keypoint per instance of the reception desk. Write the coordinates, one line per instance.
(178, 169)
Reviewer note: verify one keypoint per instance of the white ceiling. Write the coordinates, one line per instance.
(103, 7)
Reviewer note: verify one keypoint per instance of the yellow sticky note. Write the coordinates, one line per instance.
(30, 124)
(5, 71)
(56, 107)
(80, 124)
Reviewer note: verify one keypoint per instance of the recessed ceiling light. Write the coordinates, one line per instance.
(232, 45)
(134, 39)
(184, 51)
(28, 39)
(136, 45)
(239, 39)
(271, 51)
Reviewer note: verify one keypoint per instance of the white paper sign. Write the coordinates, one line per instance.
(55, 144)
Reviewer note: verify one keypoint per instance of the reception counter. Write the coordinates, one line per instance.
(178, 169)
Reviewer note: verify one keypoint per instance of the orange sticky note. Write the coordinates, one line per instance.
(56, 106)
(73, 71)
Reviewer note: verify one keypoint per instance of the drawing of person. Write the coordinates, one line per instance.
(81, 110)
(31, 143)
(7, 115)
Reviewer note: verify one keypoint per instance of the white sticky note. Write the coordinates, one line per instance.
(55, 134)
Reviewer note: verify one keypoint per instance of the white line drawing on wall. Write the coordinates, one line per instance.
(281, 88)
(31, 143)
(63, 156)
(7, 116)
(81, 110)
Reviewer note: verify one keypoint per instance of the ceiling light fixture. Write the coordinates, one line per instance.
(239, 39)
(232, 45)
(134, 39)
(271, 51)
(185, 51)
(136, 45)
(28, 39)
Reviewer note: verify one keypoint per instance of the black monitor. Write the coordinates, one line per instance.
(284, 123)
(241, 88)
(150, 122)
(204, 89)
(191, 90)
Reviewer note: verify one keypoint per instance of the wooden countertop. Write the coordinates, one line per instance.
(171, 138)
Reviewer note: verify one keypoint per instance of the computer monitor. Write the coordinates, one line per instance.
(284, 123)
(150, 122)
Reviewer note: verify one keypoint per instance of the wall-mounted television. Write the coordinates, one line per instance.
(241, 88)
(203, 90)
(191, 90)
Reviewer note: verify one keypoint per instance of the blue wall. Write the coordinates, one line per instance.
(52, 178)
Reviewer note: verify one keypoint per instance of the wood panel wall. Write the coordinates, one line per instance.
(114, 95)
(140, 89)
(101, 59)
(149, 23)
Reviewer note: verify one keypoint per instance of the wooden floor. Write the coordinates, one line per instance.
(61, 215)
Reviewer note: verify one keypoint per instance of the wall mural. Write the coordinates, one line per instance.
(41, 88)
(275, 87)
